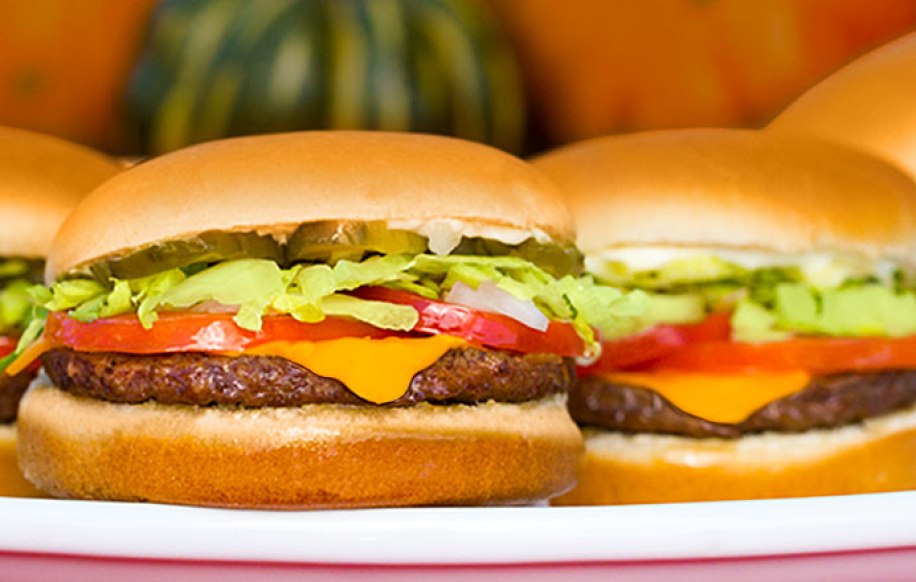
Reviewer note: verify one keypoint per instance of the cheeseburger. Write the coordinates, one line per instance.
(778, 352)
(314, 320)
(41, 180)
(869, 104)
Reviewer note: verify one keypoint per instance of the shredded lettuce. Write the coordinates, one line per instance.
(309, 293)
(376, 313)
(824, 298)
(15, 303)
(30, 316)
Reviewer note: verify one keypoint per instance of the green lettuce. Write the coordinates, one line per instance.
(309, 293)
(15, 305)
(832, 298)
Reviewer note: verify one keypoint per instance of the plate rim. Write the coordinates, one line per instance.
(472, 536)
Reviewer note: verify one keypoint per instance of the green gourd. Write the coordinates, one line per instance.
(218, 68)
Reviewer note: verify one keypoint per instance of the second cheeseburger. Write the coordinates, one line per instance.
(779, 357)
(41, 179)
(314, 320)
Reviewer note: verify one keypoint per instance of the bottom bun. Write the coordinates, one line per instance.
(876, 455)
(12, 483)
(310, 456)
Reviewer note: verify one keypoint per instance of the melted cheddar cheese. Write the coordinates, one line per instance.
(29, 355)
(377, 370)
(726, 398)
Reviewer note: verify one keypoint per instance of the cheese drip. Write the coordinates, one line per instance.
(725, 398)
(377, 370)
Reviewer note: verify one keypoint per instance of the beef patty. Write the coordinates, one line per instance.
(11, 390)
(461, 375)
(827, 401)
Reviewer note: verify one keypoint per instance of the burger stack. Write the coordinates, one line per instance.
(41, 180)
(314, 320)
(351, 319)
(779, 353)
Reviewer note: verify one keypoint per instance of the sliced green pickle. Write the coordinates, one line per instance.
(330, 241)
(207, 247)
(12, 268)
(558, 259)
(322, 242)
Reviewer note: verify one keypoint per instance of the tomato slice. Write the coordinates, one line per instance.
(658, 342)
(7, 345)
(481, 327)
(192, 332)
(707, 347)
(817, 355)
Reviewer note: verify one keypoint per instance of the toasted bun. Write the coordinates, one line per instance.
(735, 188)
(12, 483)
(877, 455)
(274, 183)
(313, 456)
(868, 104)
(41, 179)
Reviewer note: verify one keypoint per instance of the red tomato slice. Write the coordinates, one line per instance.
(7, 345)
(481, 327)
(818, 355)
(192, 332)
(658, 342)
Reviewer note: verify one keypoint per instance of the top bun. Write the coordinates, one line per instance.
(273, 183)
(738, 189)
(869, 104)
(41, 179)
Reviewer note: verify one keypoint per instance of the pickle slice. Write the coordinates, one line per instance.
(558, 259)
(330, 241)
(12, 268)
(207, 247)
(325, 242)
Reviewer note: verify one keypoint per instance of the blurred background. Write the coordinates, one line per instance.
(142, 77)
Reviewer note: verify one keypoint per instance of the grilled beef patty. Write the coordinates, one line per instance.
(11, 390)
(828, 401)
(461, 375)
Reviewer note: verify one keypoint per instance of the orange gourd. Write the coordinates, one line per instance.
(64, 65)
(603, 66)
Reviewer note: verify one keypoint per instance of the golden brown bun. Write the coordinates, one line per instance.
(274, 183)
(868, 104)
(41, 180)
(735, 188)
(313, 456)
(877, 455)
(12, 483)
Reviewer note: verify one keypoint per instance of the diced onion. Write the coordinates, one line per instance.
(489, 297)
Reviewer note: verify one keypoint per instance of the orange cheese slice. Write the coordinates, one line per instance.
(727, 398)
(29, 355)
(377, 370)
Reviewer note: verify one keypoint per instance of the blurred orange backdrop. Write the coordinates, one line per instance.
(591, 66)
(64, 65)
(604, 66)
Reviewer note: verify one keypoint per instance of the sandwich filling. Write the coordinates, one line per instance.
(745, 341)
(350, 313)
(16, 277)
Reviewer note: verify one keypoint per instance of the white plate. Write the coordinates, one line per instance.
(472, 535)
(848, 537)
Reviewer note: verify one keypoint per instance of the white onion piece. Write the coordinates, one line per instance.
(489, 297)
(444, 234)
